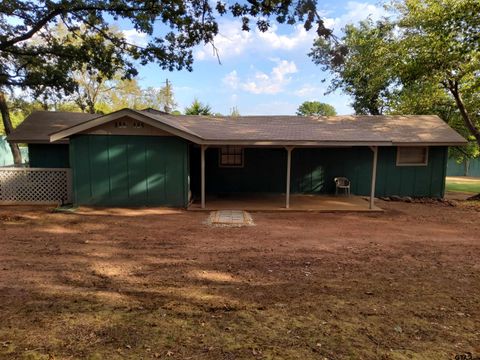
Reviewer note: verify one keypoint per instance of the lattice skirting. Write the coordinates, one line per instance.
(35, 185)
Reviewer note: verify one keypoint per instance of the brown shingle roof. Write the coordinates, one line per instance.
(379, 130)
(38, 126)
(361, 128)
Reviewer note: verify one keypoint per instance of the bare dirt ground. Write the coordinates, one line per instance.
(142, 284)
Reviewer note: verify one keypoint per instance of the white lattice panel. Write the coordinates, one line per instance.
(34, 185)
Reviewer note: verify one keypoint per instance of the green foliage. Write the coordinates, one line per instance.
(31, 56)
(198, 108)
(439, 45)
(463, 185)
(425, 61)
(316, 108)
(360, 64)
(234, 111)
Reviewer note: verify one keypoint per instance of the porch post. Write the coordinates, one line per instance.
(374, 175)
(202, 176)
(289, 167)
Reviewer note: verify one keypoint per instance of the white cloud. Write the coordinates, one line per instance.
(232, 80)
(135, 37)
(291, 41)
(309, 90)
(355, 12)
(262, 83)
(231, 41)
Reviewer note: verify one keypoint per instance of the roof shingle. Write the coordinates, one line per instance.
(38, 126)
(348, 129)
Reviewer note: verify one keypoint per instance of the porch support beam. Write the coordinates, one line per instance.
(289, 168)
(374, 175)
(202, 176)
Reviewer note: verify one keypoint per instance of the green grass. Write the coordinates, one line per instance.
(459, 184)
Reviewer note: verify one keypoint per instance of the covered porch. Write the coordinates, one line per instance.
(276, 202)
(283, 178)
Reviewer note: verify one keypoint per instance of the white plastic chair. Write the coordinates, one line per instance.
(342, 183)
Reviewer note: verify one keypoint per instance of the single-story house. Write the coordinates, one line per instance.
(148, 157)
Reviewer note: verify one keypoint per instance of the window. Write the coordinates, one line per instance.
(231, 156)
(138, 125)
(412, 156)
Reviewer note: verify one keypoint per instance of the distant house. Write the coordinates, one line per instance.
(147, 157)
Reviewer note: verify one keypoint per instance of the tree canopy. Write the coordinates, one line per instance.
(316, 108)
(423, 60)
(361, 64)
(198, 108)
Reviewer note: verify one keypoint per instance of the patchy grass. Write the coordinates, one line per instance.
(463, 184)
(145, 284)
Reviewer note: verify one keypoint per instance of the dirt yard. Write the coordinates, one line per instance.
(141, 284)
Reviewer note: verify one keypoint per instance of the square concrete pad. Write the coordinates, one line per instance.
(230, 218)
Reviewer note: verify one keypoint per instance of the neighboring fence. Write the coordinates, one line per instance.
(35, 185)
(6, 157)
(466, 168)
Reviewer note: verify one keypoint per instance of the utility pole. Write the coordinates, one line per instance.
(168, 96)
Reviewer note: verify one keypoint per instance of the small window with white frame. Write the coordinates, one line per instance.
(412, 156)
(231, 156)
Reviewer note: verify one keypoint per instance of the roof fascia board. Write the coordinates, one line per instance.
(295, 143)
(442, 143)
(117, 115)
(327, 143)
(29, 141)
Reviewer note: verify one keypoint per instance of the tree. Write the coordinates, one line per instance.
(32, 57)
(166, 97)
(198, 108)
(360, 63)
(308, 108)
(160, 98)
(91, 89)
(234, 111)
(439, 44)
(426, 60)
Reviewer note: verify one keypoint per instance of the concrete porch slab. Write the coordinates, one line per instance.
(276, 202)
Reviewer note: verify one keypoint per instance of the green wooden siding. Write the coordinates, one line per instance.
(313, 171)
(129, 170)
(264, 172)
(48, 155)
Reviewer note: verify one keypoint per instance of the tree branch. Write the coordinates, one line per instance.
(64, 9)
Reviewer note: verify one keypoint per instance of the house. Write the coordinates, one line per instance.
(148, 157)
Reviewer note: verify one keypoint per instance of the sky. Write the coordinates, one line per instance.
(259, 73)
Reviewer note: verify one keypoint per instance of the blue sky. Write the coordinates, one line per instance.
(260, 73)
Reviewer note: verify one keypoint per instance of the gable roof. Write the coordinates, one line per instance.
(348, 129)
(38, 126)
(286, 130)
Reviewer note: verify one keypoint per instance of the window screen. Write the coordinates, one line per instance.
(231, 156)
(412, 155)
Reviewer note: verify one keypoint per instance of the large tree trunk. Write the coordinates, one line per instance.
(474, 130)
(7, 124)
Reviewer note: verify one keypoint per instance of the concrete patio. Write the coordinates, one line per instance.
(276, 202)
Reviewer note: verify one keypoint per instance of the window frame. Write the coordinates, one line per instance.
(424, 163)
(242, 156)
